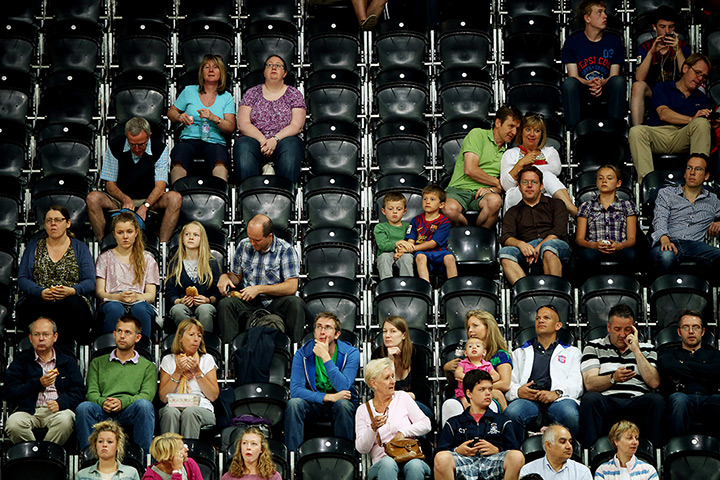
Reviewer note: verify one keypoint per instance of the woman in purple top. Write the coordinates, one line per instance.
(270, 117)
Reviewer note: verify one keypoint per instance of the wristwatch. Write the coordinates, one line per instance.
(612, 379)
(559, 393)
(147, 205)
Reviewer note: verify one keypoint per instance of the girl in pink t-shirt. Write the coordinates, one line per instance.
(475, 353)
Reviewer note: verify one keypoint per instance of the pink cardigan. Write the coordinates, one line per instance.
(192, 469)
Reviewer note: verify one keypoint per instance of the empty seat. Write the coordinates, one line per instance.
(673, 293)
(268, 195)
(599, 142)
(88, 10)
(602, 292)
(205, 456)
(333, 148)
(265, 38)
(142, 45)
(691, 456)
(400, 44)
(534, 291)
(204, 199)
(45, 460)
(199, 38)
(652, 183)
(464, 43)
(139, 94)
(333, 43)
(465, 92)
(15, 96)
(534, 89)
(74, 45)
(332, 252)
(66, 149)
(450, 137)
(66, 190)
(333, 95)
(334, 294)
(10, 202)
(23, 11)
(266, 400)
(544, 8)
(8, 263)
(531, 41)
(277, 10)
(332, 201)
(17, 45)
(70, 97)
(461, 294)
(279, 364)
(409, 185)
(206, 10)
(401, 94)
(475, 249)
(13, 148)
(407, 297)
(324, 458)
(402, 147)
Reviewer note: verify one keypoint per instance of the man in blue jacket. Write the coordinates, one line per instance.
(45, 386)
(321, 385)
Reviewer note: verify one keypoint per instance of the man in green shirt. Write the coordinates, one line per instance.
(475, 184)
(120, 385)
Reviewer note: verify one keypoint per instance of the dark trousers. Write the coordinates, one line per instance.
(599, 412)
(683, 409)
(233, 314)
(72, 315)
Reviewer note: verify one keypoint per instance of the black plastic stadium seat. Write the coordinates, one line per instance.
(586, 187)
(266, 400)
(534, 89)
(542, 8)
(333, 43)
(15, 96)
(409, 185)
(691, 456)
(265, 38)
(66, 190)
(459, 295)
(407, 297)
(332, 201)
(13, 148)
(326, 458)
(449, 344)
(142, 45)
(402, 147)
(105, 344)
(652, 183)
(532, 292)
(400, 44)
(88, 10)
(401, 94)
(44, 460)
(139, 94)
(74, 45)
(450, 137)
(464, 43)
(206, 10)
(602, 292)
(70, 96)
(198, 38)
(333, 95)
(465, 92)
(17, 45)
(204, 199)
(23, 11)
(333, 148)
(334, 294)
(66, 149)
(531, 41)
(268, 195)
(673, 293)
(205, 456)
(277, 10)
(475, 249)
(332, 252)
(11, 198)
(599, 142)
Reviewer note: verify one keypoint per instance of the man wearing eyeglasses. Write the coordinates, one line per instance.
(321, 385)
(683, 215)
(678, 117)
(43, 386)
(534, 230)
(135, 170)
(690, 376)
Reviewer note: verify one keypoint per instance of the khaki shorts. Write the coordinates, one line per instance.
(136, 201)
(466, 198)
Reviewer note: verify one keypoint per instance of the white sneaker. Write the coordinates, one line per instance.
(268, 169)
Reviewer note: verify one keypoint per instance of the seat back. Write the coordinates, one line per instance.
(266, 400)
(332, 200)
(17, 45)
(333, 148)
(142, 45)
(140, 94)
(465, 92)
(402, 147)
(74, 45)
(201, 37)
(475, 249)
(691, 456)
(334, 294)
(44, 460)
(602, 292)
(66, 149)
(673, 293)
(401, 94)
(205, 456)
(407, 297)
(327, 458)
(269, 195)
(332, 252)
(333, 95)
(464, 43)
(409, 185)
(15, 96)
(204, 199)
(534, 291)
(270, 37)
(459, 295)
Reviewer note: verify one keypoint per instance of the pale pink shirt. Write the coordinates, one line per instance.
(50, 393)
(119, 276)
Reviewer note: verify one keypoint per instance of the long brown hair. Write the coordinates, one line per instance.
(406, 347)
(137, 256)
(266, 465)
(205, 276)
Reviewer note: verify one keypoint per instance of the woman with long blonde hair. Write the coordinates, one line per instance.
(252, 458)
(191, 284)
(127, 276)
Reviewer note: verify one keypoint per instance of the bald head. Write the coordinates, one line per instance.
(259, 232)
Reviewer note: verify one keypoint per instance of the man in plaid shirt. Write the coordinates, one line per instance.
(265, 271)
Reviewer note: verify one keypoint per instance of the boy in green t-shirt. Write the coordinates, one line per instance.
(388, 234)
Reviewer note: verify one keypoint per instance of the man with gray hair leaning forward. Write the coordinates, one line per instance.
(136, 173)
(556, 464)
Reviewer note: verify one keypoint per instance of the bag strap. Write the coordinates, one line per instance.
(372, 417)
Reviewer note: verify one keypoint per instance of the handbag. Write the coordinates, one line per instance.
(401, 451)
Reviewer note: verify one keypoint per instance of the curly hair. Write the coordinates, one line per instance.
(266, 466)
(113, 427)
(137, 256)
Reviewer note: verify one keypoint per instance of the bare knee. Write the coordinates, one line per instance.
(421, 260)
(94, 199)
(449, 260)
(514, 458)
(444, 462)
(492, 202)
(452, 209)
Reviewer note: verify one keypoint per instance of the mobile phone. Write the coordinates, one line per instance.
(631, 368)
(475, 442)
(606, 242)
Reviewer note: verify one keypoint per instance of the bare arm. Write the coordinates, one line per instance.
(669, 115)
(473, 170)
(149, 295)
(594, 382)
(167, 385)
(572, 71)
(581, 232)
(631, 232)
(288, 287)
(102, 294)
(245, 126)
(505, 372)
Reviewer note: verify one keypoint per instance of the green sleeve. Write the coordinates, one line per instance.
(382, 238)
(149, 385)
(93, 388)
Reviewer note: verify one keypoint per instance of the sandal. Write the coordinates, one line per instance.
(369, 23)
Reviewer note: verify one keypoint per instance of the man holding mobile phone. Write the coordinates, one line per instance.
(619, 373)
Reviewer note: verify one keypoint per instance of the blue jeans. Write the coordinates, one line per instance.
(342, 414)
(560, 248)
(667, 261)
(288, 156)
(387, 469)
(113, 310)
(564, 412)
(140, 414)
(575, 94)
(682, 409)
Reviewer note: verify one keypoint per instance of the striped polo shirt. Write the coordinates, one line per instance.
(604, 355)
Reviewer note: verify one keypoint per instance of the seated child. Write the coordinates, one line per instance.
(475, 353)
(428, 236)
(388, 234)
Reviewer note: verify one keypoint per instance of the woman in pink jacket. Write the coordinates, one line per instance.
(171, 454)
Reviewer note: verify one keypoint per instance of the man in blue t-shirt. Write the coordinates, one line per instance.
(678, 118)
(659, 59)
(593, 59)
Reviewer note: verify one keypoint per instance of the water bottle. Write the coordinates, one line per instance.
(205, 130)
(460, 349)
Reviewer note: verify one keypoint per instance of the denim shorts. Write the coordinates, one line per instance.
(488, 468)
(560, 248)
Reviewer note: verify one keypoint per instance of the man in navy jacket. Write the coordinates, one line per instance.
(45, 386)
(321, 385)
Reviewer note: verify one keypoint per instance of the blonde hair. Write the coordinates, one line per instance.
(266, 466)
(137, 255)
(374, 369)
(217, 60)
(406, 346)
(113, 427)
(205, 276)
(619, 429)
(165, 446)
(184, 326)
(535, 120)
(494, 340)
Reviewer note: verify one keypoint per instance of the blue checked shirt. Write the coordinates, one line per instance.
(610, 224)
(109, 170)
(679, 219)
(271, 267)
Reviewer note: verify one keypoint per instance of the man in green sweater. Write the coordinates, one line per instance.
(120, 385)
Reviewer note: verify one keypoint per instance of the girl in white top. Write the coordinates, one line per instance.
(188, 369)
(533, 151)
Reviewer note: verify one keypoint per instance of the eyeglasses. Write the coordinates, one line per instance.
(530, 182)
(50, 221)
(326, 328)
(696, 169)
(42, 334)
(700, 74)
(688, 328)
(279, 66)
(138, 145)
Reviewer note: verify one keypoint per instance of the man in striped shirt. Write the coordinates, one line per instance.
(619, 374)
